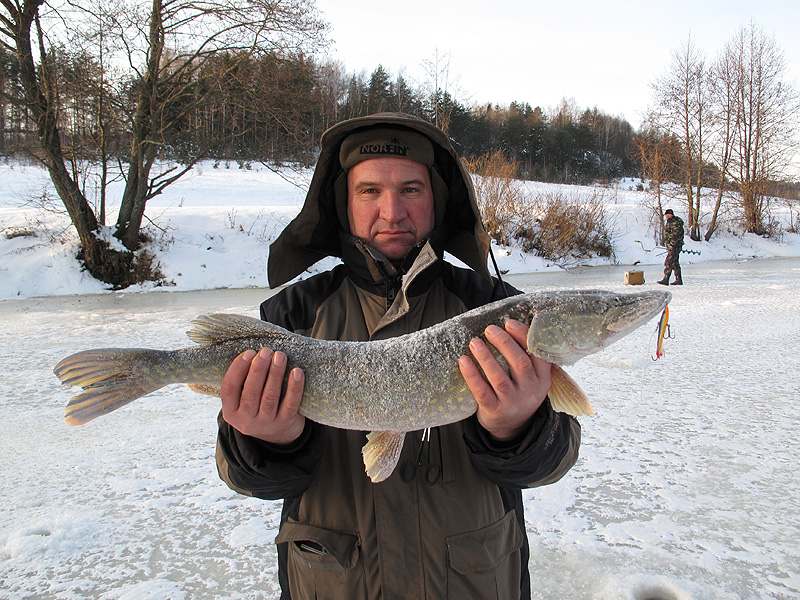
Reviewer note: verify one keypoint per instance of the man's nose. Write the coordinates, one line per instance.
(392, 206)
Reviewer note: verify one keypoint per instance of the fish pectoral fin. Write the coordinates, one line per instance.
(566, 395)
(205, 388)
(220, 327)
(381, 453)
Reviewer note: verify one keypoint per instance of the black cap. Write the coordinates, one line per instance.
(669, 212)
(377, 142)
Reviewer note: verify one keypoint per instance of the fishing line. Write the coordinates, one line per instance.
(497, 272)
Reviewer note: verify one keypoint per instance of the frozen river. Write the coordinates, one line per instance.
(687, 485)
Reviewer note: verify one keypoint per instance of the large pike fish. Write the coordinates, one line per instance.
(387, 387)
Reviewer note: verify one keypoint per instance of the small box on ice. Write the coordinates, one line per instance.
(634, 277)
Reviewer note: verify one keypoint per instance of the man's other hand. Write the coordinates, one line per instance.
(251, 397)
(507, 398)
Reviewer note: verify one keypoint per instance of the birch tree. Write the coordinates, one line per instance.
(764, 115)
(682, 103)
(722, 121)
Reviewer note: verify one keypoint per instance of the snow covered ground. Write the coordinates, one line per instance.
(214, 226)
(686, 486)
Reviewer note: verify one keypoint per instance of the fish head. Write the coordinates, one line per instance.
(566, 326)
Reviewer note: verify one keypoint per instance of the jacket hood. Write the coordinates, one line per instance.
(315, 233)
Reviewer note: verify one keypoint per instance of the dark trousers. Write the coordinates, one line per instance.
(672, 263)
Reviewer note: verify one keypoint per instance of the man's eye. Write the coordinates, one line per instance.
(370, 190)
(411, 189)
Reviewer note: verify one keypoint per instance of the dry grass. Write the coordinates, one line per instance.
(551, 224)
(500, 195)
(15, 232)
(146, 268)
(562, 228)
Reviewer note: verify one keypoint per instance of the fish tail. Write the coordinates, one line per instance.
(110, 379)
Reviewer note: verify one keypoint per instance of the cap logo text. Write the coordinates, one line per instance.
(392, 148)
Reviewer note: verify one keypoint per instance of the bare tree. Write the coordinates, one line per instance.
(437, 84)
(722, 90)
(332, 91)
(682, 101)
(165, 44)
(658, 153)
(764, 118)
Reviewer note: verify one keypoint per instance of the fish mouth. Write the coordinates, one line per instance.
(583, 322)
(635, 309)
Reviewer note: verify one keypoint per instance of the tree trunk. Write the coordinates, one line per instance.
(102, 262)
(712, 226)
(142, 152)
(753, 217)
(2, 113)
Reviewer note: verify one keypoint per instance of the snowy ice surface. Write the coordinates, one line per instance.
(686, 486)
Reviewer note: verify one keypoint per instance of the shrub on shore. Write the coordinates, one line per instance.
(549, 224)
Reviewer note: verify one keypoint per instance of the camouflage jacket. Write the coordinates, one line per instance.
(673, 233)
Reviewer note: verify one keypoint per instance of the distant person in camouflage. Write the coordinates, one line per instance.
(673, 241)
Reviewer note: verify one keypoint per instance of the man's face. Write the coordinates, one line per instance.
(668, 216)
(390, 204)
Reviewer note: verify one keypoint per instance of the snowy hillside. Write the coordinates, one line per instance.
(213, 228)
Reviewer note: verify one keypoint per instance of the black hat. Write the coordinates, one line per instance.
(669, 212)
(379, 142)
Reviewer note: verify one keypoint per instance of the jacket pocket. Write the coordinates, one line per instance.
(322, 563)
(485, 563)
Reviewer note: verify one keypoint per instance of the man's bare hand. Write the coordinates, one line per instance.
(506, 398)
(251, 397)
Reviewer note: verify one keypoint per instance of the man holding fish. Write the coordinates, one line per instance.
(388, 197)
(387, 343)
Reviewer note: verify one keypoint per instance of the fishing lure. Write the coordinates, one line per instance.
(663, 332)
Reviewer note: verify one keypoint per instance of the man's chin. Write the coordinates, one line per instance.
(394, 249)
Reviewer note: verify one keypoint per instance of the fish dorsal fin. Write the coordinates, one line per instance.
(566, 395)
(381, 453)
(221, 327)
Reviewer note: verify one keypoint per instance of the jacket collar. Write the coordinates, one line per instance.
(372, 271)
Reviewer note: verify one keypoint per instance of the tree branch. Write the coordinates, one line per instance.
(13, 9)
(155, 190)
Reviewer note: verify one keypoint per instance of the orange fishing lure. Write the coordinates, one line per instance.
(663, 332)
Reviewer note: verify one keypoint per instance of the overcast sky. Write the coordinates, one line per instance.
(600, 53)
